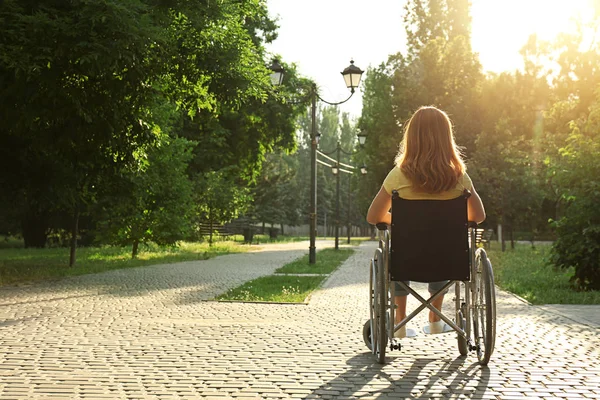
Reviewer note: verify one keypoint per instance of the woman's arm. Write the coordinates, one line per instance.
(379, 211)
(475, 210)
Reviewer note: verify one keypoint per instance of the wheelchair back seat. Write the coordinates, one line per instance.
(429, 239)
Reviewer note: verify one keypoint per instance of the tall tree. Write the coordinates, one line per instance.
(81, 82)
(150, 203)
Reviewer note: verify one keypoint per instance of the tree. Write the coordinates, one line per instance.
(151, 203)
(218, 198)
(577, 175)
(82, 84)
(278, 197)
(507, 165)
(571, 148)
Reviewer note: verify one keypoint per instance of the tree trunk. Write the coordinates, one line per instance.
(501, 237)
(281, 226)
(134, 250)
(74, 233)
(35, 230)
(512, 240)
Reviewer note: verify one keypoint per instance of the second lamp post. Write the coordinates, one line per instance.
(337, 170)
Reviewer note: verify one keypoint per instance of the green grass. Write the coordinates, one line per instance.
(290, 288)
(275, 288)
(327, 261)
(524, 272)
(30, 265)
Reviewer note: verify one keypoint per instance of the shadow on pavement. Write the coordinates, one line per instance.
(367, 378)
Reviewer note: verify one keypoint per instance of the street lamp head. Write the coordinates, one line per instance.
(362, 137)
(335, 169)
(352, 76)
(276, 73)
(363, 170)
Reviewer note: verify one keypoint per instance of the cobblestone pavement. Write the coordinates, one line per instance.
(150, 333)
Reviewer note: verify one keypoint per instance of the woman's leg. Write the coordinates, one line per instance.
(400, 302)
(437, 303)
(400, 296)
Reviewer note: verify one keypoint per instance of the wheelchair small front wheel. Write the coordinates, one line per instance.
(366, 331)
(484, 303)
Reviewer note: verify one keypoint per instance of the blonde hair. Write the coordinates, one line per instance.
(429, 156)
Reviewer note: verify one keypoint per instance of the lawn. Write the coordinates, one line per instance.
(524, 271)
(292, 288)
(275, 288)
(30, 265)
(326, 262)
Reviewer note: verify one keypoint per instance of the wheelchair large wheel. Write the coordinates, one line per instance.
(484, 306)
(380, 319)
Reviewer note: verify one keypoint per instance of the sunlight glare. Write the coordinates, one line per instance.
(501, 26)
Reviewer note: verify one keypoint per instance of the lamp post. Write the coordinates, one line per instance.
(336, 170)
(352, 75)
(363, 171)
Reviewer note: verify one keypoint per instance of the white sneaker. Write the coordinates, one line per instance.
(437, 327)
(405, 332)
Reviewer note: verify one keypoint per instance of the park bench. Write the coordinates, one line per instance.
(217, 230)
(483, 236)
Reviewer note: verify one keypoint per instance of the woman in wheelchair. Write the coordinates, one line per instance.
(428, 167)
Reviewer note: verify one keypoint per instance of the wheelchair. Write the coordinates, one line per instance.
(431, 241)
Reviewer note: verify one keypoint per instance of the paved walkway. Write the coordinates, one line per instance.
(149, 333)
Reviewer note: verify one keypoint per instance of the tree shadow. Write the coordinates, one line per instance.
(9, 322)
(424, 379)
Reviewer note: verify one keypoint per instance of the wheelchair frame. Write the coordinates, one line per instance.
(475, 301)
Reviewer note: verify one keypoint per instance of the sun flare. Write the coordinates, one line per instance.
(501, 26)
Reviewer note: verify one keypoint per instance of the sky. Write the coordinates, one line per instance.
(321, 36)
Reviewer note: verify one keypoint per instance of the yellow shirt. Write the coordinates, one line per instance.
(396, 180)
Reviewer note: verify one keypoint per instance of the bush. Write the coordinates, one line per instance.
(578, 177)
(578, 244)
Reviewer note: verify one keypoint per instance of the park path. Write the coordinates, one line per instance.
(149, 333)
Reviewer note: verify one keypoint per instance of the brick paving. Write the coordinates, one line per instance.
(149, 333)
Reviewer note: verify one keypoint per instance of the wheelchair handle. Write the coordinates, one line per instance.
(382, 226)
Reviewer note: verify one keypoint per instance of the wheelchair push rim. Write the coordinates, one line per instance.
(484, 307)
(381, 305)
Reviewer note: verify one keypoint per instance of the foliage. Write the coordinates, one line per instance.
(507, 167)
(85, 85)
(577, 176)
(278, 195)
(218, 199)
(152, 202)
(439, 68)
(572, 148)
